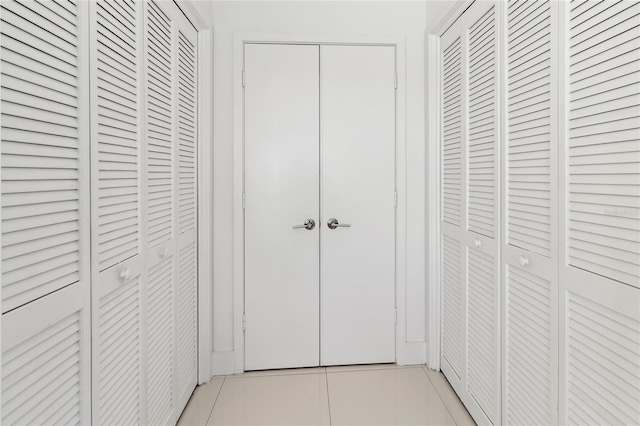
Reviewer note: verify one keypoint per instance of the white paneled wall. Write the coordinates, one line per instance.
(99, 233)
(554, 181)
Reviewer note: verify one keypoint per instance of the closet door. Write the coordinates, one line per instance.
(530, 208)
(117, 200)
(160, 260)
(600, 214)
(45, 213)
(185, 62)
(470, 190)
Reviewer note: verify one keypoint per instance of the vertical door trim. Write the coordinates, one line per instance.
(232, 361)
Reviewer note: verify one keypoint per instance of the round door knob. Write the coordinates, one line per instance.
(125, 274)
(477, 243)
(524, 261)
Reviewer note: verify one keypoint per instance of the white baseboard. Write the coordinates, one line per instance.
(414, 353)
(222, 363)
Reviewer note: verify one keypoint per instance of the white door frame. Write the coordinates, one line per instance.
(240, 39)
(204, 187)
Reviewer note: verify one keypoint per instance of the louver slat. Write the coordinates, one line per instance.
(529, 128)
(118, 136)
(604, 141)
(452, 135)
(40, 143)
(160, 127)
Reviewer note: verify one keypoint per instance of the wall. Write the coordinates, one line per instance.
(311, 17)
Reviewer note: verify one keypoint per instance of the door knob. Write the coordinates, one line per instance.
(309, 224)
(333, 224)
(125, 275)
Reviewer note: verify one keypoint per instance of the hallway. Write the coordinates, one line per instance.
(368, 394)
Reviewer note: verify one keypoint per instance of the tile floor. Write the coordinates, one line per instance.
(353, 395)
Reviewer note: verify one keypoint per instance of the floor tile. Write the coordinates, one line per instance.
(398, 396)
(201, 403)
(290, 399)
(282, 372)
(366, 367)
(450, 398)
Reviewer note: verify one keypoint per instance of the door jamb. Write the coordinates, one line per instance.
(239, 40)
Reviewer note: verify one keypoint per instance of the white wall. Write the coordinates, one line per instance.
(311, 17)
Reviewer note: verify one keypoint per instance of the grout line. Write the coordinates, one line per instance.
(424, 370)
(326, 381)
(216, 400)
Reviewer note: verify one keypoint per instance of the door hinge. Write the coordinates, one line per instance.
(244, 322)
(243, 79)
(395, 198)
(395, 317)
(244, 201)
(395, 81)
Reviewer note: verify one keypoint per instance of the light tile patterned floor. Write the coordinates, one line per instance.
(352, 395)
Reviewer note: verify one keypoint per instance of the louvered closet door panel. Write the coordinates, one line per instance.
(482, 125)
(163, 140)
(470, 188)
(117, 142)
(530, 251)
(453, 208)
(451, 149)
(45, 214)
(41, 141)
(117, 199)
(452, 305)
(481, 115)
(600, 192)
(529, 126)
(186, 256)
(160, 345)
(45, 361)
(603, 152)
(160, 125)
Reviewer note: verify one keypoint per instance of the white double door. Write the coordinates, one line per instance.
(319, 148)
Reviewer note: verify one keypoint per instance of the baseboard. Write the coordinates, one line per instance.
(222, 363)
(414, 353)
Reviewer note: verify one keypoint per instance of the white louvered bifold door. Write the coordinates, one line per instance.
(600, 205)
(45, 213)
(452, 210)
(160, 145)
(470, 194)
(186, 220)
(530, 205)
(117, 198)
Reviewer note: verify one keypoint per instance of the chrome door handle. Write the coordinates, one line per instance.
(309, 224)
(333, 224)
